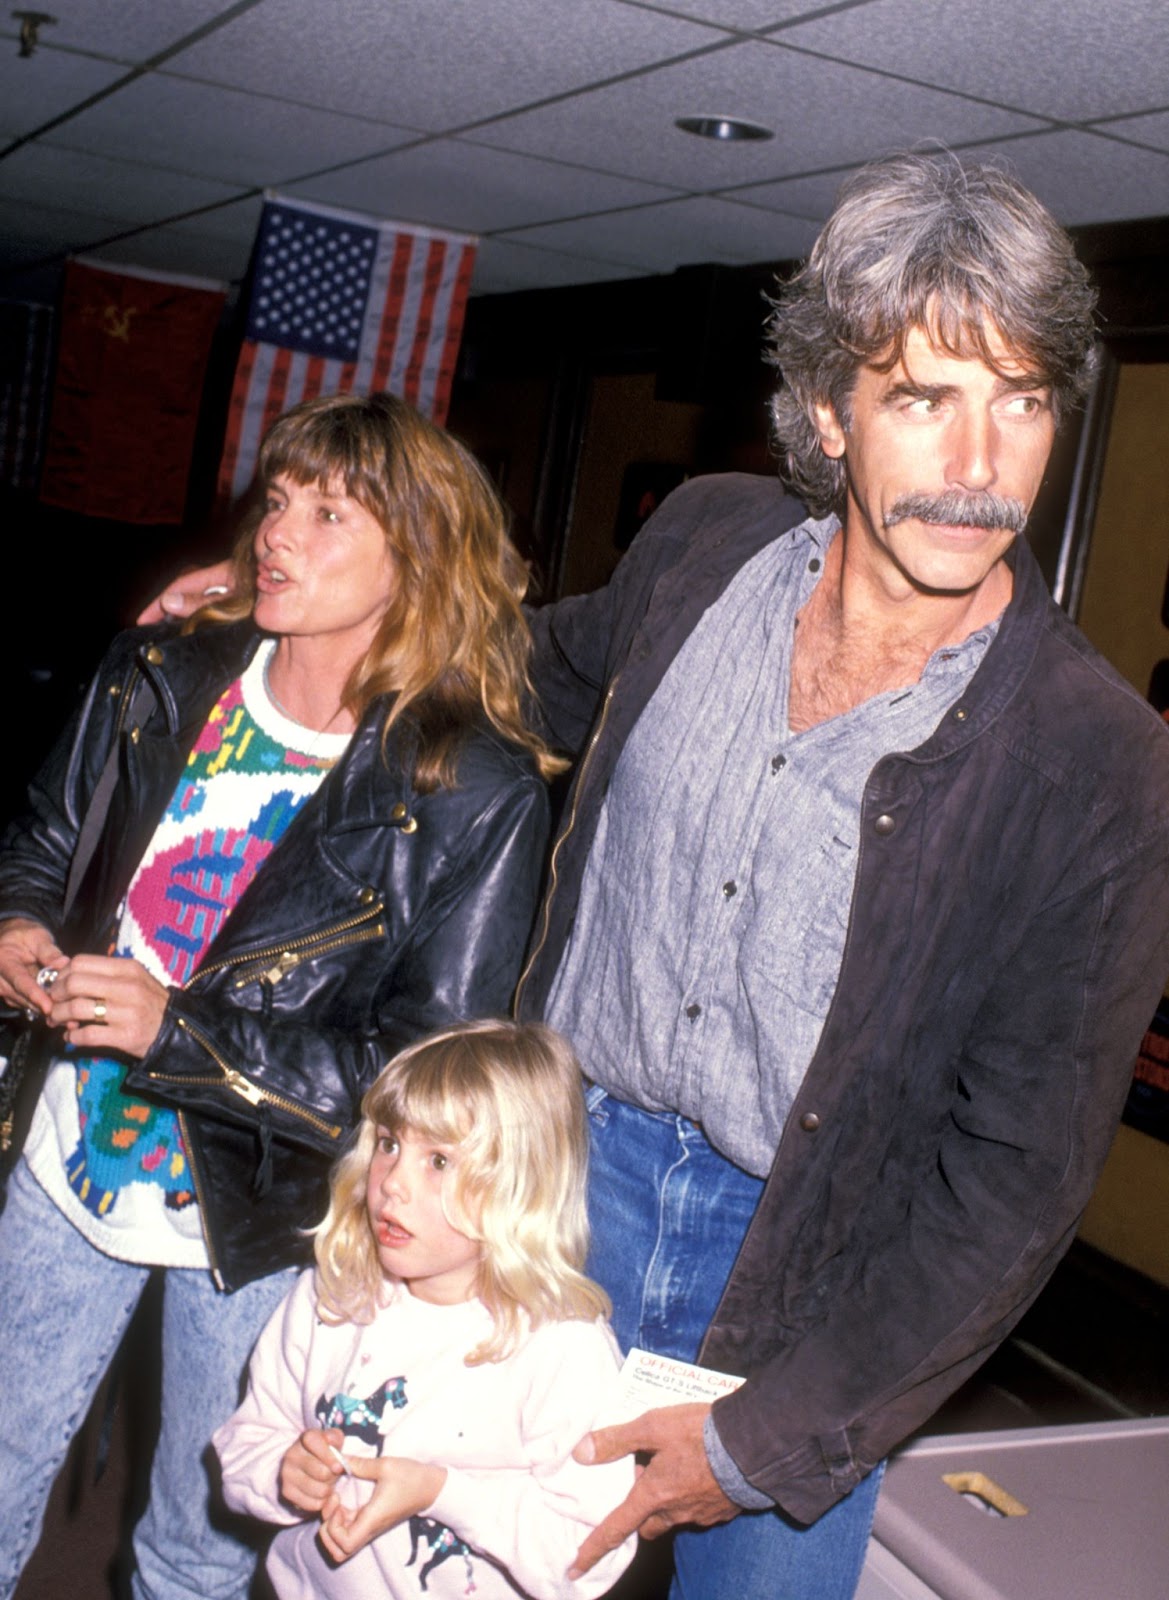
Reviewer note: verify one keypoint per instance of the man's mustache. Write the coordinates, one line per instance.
(957, 509)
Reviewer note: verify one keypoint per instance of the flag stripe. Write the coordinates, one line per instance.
(431, 281)
(451, 318)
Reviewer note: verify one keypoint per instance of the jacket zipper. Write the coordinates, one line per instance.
(553, 869)
(228, 1077)
(216, 1274)
(276, 961)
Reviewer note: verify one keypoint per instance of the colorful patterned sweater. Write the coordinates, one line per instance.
(116, 1165)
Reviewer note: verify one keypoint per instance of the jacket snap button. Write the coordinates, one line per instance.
(961, 714)
(368, 896)
(884, 824)
(809, 1122)
(154, 656)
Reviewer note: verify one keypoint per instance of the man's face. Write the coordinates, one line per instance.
(944, 457)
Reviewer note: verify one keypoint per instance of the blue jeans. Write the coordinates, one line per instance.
(63, 1309)
(668, 1215)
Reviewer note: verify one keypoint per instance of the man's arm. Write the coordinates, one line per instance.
(1038, 1092)
(187, 593)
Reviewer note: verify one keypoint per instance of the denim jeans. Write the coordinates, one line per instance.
(668, 1215)
(63, 1309)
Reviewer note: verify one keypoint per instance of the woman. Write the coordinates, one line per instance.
(325, 839)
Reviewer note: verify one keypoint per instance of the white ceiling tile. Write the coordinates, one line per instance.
(116, 189)
(169, 250)
(38, 88)
(1069, 59)
(454, 184)
(1151, 130)
(502, 266)
(811, 197)
(1082, 178)
(629, 127)
(123, 30)
(662, 237)
(221, 133)
(28, 232)
(757, 14)
(435, 65)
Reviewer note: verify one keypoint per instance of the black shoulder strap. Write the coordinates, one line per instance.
(142, 703)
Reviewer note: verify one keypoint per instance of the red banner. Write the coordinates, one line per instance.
(130, 368)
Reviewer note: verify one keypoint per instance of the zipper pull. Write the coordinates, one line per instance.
(280, 968)
(244, 1087)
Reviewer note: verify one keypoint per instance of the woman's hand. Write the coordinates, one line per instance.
(25, 948)
(108, 1003)
(402, 1488)
(309, 1471)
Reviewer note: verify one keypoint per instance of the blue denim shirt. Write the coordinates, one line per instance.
(716, 895)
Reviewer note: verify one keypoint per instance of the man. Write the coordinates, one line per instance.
(859, 906)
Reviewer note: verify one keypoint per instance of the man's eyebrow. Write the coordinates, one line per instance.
(909, 389)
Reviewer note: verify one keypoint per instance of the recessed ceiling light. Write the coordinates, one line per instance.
(725, 128)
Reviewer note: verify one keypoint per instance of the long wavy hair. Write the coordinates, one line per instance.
(453, 643)
(921, 241)
(509, 1096)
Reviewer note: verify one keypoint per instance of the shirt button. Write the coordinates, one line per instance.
(814, 564)
(730, 888)
(693, 1011)
(884, 825)
(777, 762)
(809, 1122)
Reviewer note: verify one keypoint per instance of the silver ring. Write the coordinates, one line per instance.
(47, 977)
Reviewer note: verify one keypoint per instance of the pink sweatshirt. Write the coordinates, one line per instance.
(515, 1507)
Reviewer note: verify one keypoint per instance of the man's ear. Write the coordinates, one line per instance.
(832, 438)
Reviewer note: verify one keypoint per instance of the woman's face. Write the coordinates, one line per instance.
(323, 567)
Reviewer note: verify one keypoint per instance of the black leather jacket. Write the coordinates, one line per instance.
(1007, 945)
(381, 914)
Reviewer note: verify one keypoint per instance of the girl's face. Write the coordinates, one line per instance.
(415, 1242)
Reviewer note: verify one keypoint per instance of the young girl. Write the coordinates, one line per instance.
(447, 1350)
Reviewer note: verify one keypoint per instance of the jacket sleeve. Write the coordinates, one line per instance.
(38, 846)
(252, 1443)
(1038, 1091)
(534, 1522)
(460, 962)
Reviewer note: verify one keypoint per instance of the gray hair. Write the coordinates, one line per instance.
(920, 241)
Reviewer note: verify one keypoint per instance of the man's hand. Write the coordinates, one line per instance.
(108, 1003)
(188, 592)
(309, 1470)
(402, 1488)
(676, 1487)
(26, 947)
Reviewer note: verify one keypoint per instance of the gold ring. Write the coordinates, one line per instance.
(99, 1011)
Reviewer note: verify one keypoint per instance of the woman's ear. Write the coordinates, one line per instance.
(828, 426)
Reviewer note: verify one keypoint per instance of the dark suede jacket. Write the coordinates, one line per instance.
(1007, 945)
(381, 914)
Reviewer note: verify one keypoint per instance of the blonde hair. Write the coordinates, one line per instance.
(454, 640)
(509, 1096)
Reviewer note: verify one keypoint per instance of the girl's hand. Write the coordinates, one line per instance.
(26, 947)
(108, 1003)
(309, 1471)
(402, 1488)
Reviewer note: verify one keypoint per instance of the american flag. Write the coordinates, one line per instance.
(26, 337)
(342, 303)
